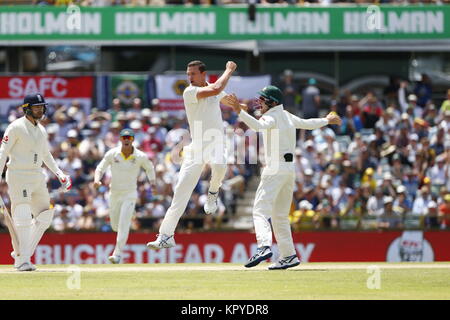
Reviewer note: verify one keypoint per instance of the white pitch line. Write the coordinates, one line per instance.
(227, 267)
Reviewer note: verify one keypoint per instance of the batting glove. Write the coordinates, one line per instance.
(66, 182)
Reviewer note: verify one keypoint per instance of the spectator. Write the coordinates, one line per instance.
(115, 109)
(289, 89)
(420, 204)
(371, 111)
(145, 118)
(432, 217)
(92, 144)
(423, 90)
(389, 219)
(136, 108)
(431, 115)
(402, 204)
(446, 104)
(387, 185)
(444, 213)
(160, 131)
(437, 174)
(390, 92)
(311, 100)
(413, 110)
(328, 219)
(375, 204)
(305, 217)
(401, 95)
(351, 123)
(112, 137)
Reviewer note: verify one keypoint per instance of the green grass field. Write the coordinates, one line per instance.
(228, 282)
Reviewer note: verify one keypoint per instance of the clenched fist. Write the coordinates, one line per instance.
(231, 66)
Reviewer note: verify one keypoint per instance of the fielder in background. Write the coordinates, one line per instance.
(202, 103)
(26, 143)
(126, 162)
(274, 194)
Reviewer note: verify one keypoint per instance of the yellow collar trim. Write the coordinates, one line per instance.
(130, 157)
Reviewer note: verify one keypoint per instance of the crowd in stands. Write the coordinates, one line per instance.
(387, 166)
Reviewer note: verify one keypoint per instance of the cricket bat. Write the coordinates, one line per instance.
(10, 225)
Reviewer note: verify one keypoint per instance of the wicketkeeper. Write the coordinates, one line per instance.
(25, 142)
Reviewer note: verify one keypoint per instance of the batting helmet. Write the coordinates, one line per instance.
(33, 100)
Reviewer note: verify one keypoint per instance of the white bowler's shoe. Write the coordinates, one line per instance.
(162, 242)
(210, 206)
(115, 259)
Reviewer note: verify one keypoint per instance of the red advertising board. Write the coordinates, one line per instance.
(236, 247)
(55, 89)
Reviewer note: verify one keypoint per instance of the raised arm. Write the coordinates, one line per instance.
(217, 87)
(309, 124)
(315, 123)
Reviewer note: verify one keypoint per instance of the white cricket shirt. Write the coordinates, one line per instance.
(204, 118)
(27, 146)
(125, 171)
(278, 129)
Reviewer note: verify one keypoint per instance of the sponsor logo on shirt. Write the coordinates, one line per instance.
(5, 139)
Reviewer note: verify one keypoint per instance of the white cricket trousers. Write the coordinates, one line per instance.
(28, 188)
(188, 177)
(273, 200)
(122, 207)
(30, 199)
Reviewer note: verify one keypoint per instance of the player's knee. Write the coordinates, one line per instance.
(46, 218)
(22, 215)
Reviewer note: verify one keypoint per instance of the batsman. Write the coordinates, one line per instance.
(25, 142)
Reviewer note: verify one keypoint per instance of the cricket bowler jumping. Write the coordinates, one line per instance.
(202, 102)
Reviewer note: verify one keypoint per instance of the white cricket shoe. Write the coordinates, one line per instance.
(211, 203)
(16, 261)
(26, 266)
(285, 263)
(162, 242)
(262, 253)
(115, 259)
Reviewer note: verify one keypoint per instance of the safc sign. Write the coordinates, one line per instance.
(237, 247)
(62, 90)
